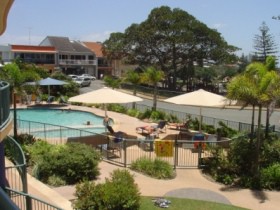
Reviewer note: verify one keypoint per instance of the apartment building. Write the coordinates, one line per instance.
(72, 57)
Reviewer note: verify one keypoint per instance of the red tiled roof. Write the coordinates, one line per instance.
(30, 48)
(96, 47)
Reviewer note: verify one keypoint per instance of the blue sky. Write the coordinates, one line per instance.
(238, 21)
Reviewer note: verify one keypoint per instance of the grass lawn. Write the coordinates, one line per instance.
(185, 204)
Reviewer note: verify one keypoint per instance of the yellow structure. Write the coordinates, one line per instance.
(164, 148)
(5, 6)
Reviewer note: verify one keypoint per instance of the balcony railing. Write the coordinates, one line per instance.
(76, 62)
(17, 181)
(4, 103)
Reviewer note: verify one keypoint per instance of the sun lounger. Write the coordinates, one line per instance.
(62, 100)
(152, 129)
(50, 99)
(178, 126)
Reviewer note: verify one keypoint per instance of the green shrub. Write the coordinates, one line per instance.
(271, 152)
(145, 115)
(25, 138)
(155, 168)
(133, 112)
(117, 108)
(157, 115)
(56, 181)
(225, 131)
(118, 192)
(172, 118)
(72, 162)
(270, 177)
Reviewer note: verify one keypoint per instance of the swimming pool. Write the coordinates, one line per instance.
(53, 119)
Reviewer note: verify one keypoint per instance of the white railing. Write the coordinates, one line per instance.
(76, 62)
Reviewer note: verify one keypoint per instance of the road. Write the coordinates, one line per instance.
(233, 114)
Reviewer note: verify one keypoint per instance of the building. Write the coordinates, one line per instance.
(40, 55)
(103, 65)
(72, 57)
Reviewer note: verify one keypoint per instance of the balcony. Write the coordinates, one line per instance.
(76, 62)
(5, 117)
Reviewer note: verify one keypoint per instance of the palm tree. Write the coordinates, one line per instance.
(12, 74)
(134, 78)
(259, 87)
(17, 77)
(152, 76)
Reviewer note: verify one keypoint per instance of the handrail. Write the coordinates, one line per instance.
(4, 103)
(18, 197)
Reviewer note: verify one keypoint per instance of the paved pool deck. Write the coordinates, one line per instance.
(189, 183)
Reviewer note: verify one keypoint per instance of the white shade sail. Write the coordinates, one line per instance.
(104, 96)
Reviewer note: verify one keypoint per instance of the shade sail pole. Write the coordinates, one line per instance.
(200, 120)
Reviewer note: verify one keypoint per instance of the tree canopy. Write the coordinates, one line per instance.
(171, 39)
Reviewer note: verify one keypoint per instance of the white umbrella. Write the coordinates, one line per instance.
(105, 96)
(200, 98)
(49, 81)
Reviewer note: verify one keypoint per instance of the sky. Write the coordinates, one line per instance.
(238, 21)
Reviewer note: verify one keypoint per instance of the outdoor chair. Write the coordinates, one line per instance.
(50, 99)
(179, 126)
(114, 140)
(62, 100)
(38, 100)
(152, 130)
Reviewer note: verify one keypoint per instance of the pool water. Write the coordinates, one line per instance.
(68, 118)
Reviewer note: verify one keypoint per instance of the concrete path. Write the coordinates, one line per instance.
(189, 183)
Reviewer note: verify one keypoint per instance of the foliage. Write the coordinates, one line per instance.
(270, 177)
(72, 162)
(133, 112)
(112, 82)
(157, 115)
(118, 192)
(152, 76)
(117, 108)
(271, 151)
(225, 131)
(264, 44)
(146, 114)
(156, 168)
(70, 89)
(235, 167)
(166, 39)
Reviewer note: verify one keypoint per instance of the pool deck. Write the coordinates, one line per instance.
(189, 183)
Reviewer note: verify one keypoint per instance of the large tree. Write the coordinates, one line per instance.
(264, 44)
(172, 40)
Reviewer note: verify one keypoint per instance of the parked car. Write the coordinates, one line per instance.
(88, 76)
(83, 82)
(72, 76)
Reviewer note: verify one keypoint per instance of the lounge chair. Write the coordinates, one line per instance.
(38, 100)
(152, 129)
(62, 100)
(114, 140)
(50, 99)
(179, 126)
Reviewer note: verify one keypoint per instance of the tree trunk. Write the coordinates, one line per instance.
(134, 103)
(267, 122)
(257, 155)
(252, 125)
(155, 98)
